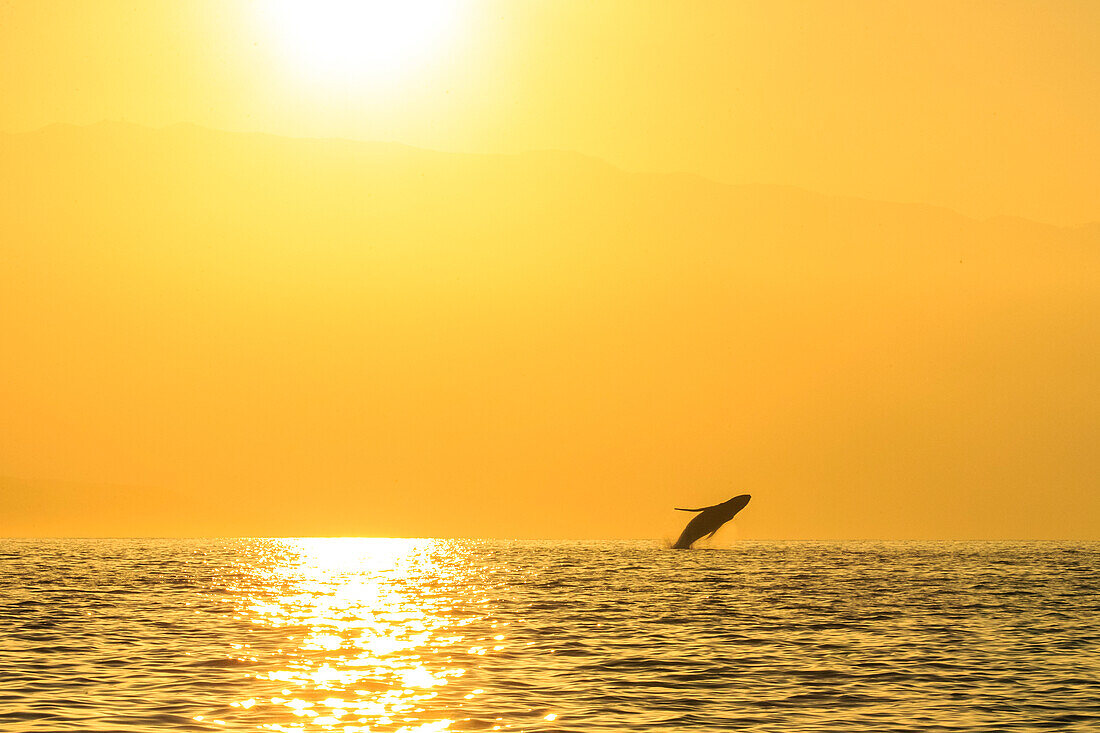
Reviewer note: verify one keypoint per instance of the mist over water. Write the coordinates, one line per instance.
(402, 635)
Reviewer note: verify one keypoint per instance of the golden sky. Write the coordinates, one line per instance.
(570, 265)
(988, 108)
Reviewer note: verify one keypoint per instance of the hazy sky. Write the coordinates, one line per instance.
(989, 108)
(212, 331)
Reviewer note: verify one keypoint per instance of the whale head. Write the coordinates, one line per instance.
(737, 503)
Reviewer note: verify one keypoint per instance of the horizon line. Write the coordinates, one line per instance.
(535, 539)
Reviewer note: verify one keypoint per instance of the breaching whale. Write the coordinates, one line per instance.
(709, 520)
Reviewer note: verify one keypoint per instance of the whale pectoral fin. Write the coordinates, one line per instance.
(713, 533)
(692, 510)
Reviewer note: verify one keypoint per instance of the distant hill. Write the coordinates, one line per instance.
(371, 338)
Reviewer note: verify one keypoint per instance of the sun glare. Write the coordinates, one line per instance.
(370, 40)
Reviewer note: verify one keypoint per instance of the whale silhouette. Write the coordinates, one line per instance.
(709, 520)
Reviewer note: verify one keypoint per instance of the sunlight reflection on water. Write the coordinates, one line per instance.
(379, 625)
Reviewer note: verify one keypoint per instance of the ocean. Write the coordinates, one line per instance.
(468, 635)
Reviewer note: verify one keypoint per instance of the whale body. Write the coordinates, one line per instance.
(709, 520)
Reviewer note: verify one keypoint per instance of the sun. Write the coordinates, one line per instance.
(360, 40)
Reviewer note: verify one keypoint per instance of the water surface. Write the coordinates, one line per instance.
(429, 635)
